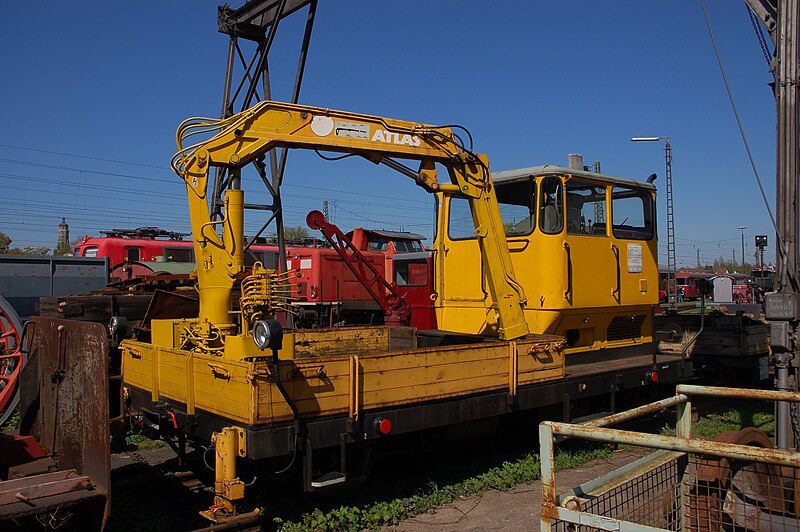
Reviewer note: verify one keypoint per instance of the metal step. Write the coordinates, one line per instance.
(329, 479)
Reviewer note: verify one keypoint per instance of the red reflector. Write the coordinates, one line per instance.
(384, 426)
(653, 376)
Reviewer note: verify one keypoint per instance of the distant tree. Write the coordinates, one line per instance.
(295, 234)
(5, 242)
(728, 266)
(35, 250)
(30, 250)
(291, 234)
(62, 250)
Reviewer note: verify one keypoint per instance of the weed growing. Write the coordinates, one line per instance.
(390, 512)
(736, 416)
(137, 442)
(12, 422)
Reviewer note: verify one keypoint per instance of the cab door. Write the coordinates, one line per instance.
(594, 258)
(462, 295)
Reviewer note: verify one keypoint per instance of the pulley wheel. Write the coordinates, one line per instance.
(12, 359)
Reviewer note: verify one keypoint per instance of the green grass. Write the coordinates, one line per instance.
(134, 442)
(389, 510)
(377, 514)
(137, 442)
(12, 422)
(734, 417)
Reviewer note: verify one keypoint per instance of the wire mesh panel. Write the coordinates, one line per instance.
(645, 499)
(738, 482)
(697, 494)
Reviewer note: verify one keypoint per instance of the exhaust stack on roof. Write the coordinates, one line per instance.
(575, 161)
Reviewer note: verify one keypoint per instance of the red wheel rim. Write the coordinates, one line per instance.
(12, 359)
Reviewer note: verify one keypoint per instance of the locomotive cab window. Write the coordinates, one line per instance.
(252, 256)
(406, 246)
(377, 243)
(90, 251)
(517, 202)
(179, 254)
(586, 208)
(632, 213)
(133, 254)
(410, 272)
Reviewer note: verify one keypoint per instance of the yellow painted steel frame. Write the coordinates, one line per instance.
(247, 136)
(324, 381)
(574, 282)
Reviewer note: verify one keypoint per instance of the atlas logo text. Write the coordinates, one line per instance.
(390, 137)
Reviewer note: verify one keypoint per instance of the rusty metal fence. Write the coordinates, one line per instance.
(737, 482)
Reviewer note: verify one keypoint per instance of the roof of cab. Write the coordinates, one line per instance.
(549, 169)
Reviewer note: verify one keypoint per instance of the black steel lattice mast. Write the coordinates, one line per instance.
(257, 22)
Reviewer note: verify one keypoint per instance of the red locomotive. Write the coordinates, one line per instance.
(327, 293)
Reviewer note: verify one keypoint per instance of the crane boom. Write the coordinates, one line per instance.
(246, 137)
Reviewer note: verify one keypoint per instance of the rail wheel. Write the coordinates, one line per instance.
(12, 359)
(741, 495)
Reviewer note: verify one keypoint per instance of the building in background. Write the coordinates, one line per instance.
(62, 244)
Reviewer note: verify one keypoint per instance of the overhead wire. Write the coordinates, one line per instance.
(166, 180)
(63, 154)
(67, 168)
(781, 244)
(186, 130)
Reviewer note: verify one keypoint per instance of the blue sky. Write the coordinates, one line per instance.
(94, 92)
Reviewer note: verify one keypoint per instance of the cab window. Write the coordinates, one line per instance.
(406, 246)
(586, 208)
(251, 257)
(632, 213)
(517, 202)
(551, 205)
(377, 243)
(179, 254)
(132, 254)
(411, 272)
(89, 251)
(460, 225)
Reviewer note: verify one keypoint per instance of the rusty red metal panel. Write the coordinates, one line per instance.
(30, 488)
(69, 411)
(15, 449)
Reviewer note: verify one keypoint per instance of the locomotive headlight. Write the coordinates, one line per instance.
(268, 334)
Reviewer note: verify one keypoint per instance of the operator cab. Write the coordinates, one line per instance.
(583, 246)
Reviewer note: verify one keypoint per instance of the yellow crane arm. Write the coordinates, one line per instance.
(247, 136)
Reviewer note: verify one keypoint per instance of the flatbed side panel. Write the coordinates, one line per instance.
(321, 386)
(400, 378)
(595, 386)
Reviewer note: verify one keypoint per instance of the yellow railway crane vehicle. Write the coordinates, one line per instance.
(234, 377)
(584, 247)
(244, 138)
